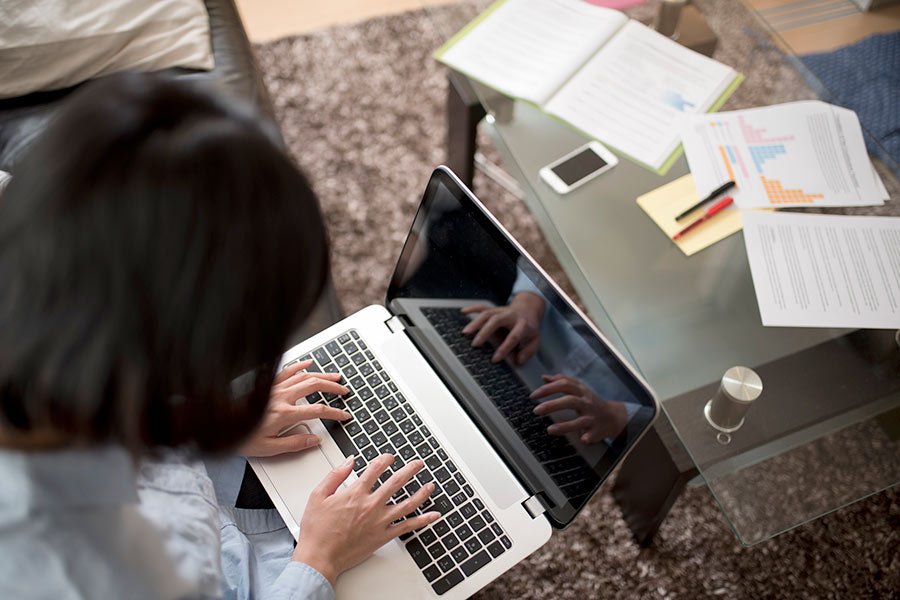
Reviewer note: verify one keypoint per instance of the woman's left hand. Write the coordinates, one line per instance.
(291, 385)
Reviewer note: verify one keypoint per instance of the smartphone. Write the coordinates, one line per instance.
(578, 167)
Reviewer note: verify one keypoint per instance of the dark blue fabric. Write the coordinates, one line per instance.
(865, 77)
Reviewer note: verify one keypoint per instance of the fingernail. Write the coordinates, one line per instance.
(346, 414)
(348, 461)
(312, 441)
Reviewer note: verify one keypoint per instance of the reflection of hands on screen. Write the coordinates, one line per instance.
(597, 419)
(521, 319)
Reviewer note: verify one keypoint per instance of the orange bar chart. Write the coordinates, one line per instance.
(778, 195)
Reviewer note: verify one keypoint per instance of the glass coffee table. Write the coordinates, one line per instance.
(826, 430)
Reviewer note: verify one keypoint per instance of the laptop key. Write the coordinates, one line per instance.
(370, 427)
(450, 541)
(472, 545)
(451, 488)
(464, 532)
(496, 549)
(333, 348)
(475, 563)
(431, 573)
(477, 523)
(441, 474)
(455, 519)
(436, 550)
(468, 510)
(344, 338)
(486, 536)
(443, 585)
(459, 554)
(505, 541)
(446, 564)
(428, 537)
(459, 499)
(321, 356)
(442, 504)
(418, 553)
(441, 528)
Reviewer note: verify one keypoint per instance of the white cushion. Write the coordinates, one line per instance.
(53, 44)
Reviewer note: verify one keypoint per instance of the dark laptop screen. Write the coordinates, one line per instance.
(460, 280)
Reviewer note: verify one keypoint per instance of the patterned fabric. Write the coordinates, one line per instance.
(865, 77)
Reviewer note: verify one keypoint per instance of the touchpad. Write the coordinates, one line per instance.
(295, 475)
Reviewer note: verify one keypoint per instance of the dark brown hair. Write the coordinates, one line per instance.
(155, 243)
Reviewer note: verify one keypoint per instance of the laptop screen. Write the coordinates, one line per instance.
(558, 405)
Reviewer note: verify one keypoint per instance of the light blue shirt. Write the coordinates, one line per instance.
(91, 524)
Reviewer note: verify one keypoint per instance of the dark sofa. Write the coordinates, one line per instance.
(22, 119)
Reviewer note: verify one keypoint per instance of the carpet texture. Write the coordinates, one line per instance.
(362, 110)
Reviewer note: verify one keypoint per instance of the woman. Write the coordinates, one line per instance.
(154, 245)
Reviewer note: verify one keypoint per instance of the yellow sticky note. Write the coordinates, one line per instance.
(665, 203)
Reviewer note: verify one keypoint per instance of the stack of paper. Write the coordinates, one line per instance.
(809, 270)
(797, 154)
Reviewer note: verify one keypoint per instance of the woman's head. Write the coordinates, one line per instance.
(154, 244)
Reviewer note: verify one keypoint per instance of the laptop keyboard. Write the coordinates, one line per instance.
(467, 537)
(511, 396)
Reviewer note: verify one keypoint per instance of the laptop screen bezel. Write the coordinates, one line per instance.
(559, 517)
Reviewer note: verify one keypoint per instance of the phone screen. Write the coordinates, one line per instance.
(579, 166)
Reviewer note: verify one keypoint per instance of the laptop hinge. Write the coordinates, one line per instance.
(395, 324)
(535, 506)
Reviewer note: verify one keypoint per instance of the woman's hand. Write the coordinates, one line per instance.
(341, 529)
(521, 318)
(597, 419)
(291, 385)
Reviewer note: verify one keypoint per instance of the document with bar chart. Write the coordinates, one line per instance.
(797, 154)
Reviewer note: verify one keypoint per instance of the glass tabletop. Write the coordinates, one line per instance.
(826, 430)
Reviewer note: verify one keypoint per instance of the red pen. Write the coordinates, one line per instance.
(712, 210)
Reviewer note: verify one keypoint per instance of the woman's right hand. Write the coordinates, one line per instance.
(340, 529)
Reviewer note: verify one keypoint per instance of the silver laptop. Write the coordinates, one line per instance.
(505, 476)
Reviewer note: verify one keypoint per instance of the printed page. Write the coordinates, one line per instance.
(527, 48)
(797, 154)
(635, 93)
(814, 270)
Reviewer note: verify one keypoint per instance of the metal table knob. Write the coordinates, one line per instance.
(739, 388)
